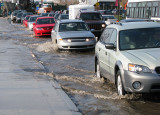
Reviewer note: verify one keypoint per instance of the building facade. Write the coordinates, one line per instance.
(107, 4)
(103, 4)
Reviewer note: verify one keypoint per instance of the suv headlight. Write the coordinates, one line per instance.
(89, 39)
(138, 68)
(103, 25)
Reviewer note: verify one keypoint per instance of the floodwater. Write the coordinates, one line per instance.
(74, 71)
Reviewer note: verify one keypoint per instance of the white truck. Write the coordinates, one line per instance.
(75, 9)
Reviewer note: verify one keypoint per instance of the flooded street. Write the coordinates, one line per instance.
(74, 71)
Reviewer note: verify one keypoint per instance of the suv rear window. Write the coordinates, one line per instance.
(91, 16)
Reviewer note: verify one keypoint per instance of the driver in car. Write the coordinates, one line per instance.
(155, 41)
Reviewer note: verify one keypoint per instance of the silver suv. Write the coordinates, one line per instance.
(128, 54)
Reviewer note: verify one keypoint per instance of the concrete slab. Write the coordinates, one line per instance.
(23, 91)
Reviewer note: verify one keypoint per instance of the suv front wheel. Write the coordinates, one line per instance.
(119, 84)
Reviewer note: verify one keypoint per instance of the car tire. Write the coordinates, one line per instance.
(98, 72)
(120, 87)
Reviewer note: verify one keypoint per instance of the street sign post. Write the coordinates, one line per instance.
(97, 4)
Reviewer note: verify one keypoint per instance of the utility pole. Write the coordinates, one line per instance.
(118, 10)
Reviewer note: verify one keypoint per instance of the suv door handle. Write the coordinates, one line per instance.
(99, 49)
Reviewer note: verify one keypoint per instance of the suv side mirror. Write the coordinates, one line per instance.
(110, 46)
(34, 24)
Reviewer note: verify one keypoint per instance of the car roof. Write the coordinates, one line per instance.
(64, 14)
(35, 16)
(29, 15)
(69, 20)
(44, 17)
(90, 12)
(101, 10)
(134, 20)
(108, 15)
(134, 25)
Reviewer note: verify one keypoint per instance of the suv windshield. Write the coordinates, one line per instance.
(91, 16)
(73, 26)
(64, 16)
(108, 17)
(27, 17)
(139, 38)
(19, 15)
(45, 21)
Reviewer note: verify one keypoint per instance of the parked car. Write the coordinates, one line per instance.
(24, 15)
(94, 21)
(43, 26)
(18, 17)
(114, 11)
(128, 55)
(14, 13)
(65, 12)
(31, 20)
(25, 21)
(51, 14)
(102, 11)
(63, 16)
(72, 34)
(109, 19)
(44, 14)
(120, 11)
(56, 16)
(58, 12)
(106, 12)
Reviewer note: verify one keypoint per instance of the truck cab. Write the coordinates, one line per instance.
(94, 21)
(46, 8)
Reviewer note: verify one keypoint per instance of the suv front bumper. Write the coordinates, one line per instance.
(150, 82)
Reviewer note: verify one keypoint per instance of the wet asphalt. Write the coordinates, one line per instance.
(74, 71)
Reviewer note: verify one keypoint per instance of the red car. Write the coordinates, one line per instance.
(43, 26)
(25, 21)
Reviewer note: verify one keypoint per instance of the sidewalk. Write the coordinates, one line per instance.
(25, 92)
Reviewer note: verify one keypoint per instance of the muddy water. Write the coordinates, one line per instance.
(74, 70)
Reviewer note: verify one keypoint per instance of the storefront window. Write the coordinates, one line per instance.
(149, 4)
(136, 12)
(128, 15)
(155, 4)
(130, 5)
(155, 11)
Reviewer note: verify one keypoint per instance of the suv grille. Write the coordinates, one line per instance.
(157, 70)
(81, 39)
(95, 26)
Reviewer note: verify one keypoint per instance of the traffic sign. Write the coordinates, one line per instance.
(97, 4)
